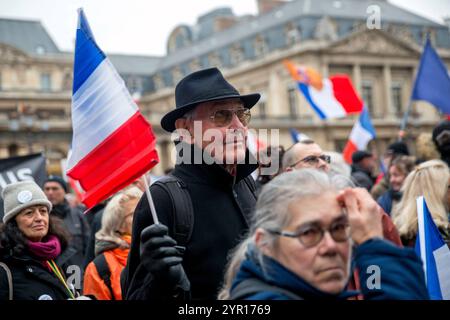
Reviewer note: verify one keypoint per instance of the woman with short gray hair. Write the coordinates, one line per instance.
(300, 245)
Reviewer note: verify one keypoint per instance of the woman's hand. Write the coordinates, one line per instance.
(363, 213)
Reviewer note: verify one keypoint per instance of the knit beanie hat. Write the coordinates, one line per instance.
(21, 195)
(57, 179)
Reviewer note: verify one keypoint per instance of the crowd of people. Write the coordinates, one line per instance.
(310, 230)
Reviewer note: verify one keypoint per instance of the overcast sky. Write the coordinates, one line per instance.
(142, 26)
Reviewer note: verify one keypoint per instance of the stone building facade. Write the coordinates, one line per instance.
(331, 36)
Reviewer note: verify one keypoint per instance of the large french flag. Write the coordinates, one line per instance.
(333, 97)
(434, 252)
(360, 136)
(112, 143)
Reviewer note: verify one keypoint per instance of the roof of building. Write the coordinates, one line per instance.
(294, 10)
(32, 38)
(26, 35)
(134, 64)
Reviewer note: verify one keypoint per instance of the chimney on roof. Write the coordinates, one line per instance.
(224, 22)
(265, 6)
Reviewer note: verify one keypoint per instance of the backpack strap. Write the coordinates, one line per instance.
(9, 277)
(252, 286)
(182, 209)
(104, 272)
(251, 185)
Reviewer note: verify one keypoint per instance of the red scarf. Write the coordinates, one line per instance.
(45, 250)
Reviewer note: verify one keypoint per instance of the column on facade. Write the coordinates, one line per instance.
(275, 106)
(357, 78)
(387, 81)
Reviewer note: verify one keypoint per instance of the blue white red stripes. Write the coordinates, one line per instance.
(112, 143)
(332, 97)
(434, 252)
(360, 136)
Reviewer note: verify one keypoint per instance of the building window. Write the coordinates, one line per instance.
(292, 34)
(158, 82)
(339, 145)
(194, 65)
(46, 82)
(176, 75)
(262, 104)
(134, 84)
(67, 82)
(40, 50)
(367, 95)
(236, 54)
(214, 59)
(396, 92)
(260, 46)
(293, 101)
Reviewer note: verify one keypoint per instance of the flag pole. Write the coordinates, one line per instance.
(404, 123)
(150, 200)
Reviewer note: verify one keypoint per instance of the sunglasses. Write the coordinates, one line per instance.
(222, 118)
(313, 160)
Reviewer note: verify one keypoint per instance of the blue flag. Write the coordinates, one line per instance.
(434, 252)
(298, 136)
(432, 80)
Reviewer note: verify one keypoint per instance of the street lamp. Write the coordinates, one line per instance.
(24, 119)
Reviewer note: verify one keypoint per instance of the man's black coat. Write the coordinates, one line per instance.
(222, 205)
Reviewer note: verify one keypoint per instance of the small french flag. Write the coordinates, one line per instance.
(298, 136)
(112, 143)
(360, 136)
(333, 97)
(434, 252)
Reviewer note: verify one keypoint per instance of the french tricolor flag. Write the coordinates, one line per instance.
(360, 136)
(112, 143)
(332, 97)
(434, 252)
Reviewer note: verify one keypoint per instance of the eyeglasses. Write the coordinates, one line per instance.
(313, 160)
(311, 236)
(222, 118)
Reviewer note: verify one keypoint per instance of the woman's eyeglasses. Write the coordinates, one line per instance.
(222, 118)
(312, 235)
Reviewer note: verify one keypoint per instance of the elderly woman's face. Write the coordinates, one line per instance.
(33, 222)
(325, 265)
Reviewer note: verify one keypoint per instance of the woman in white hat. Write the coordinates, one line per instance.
(30, 243)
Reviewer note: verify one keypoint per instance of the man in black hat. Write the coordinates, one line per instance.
(363, 166)
(214, 166)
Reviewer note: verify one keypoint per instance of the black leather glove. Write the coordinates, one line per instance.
(162, 258)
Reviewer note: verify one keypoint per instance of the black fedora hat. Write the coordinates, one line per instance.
(203, 86)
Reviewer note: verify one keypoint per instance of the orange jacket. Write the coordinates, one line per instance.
(94, 285)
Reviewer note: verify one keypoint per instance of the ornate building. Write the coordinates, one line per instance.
(331, 36)
(36, 87)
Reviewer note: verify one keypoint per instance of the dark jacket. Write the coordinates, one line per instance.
(388, 199)
(78, 228)
(222, 210)
(401, 275)
(31, 280)
(96, 225)
(362, 177)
